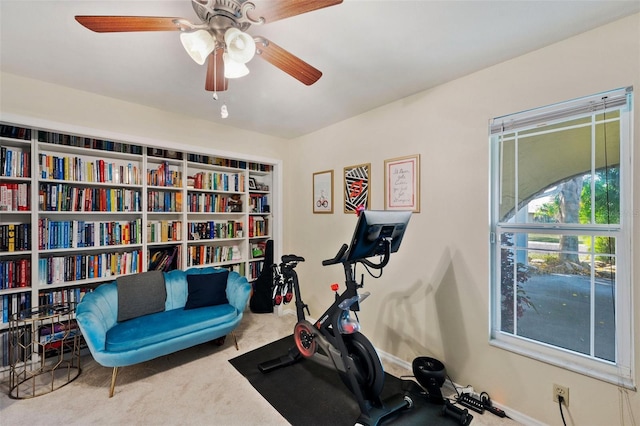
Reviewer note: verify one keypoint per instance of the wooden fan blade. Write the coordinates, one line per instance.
(116, 24)
(287, 62)
(215, 81)
(271, 10)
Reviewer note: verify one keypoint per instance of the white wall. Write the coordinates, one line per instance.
(433, 297)
(40, 101)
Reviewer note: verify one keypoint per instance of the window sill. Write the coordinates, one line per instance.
(601, 370)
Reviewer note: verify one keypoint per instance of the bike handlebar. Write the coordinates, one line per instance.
(338, 257)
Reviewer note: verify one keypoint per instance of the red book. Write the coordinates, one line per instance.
(22, 276)
(100, 170)
(11, 272)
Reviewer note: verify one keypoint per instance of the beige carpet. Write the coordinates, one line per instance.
(196, 386)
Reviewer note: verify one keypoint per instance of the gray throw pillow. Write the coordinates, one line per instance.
(140, 294)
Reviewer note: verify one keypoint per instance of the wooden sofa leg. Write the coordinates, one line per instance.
(235, 340)
(113, 381)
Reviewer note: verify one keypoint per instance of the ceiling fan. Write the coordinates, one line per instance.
(221, 36)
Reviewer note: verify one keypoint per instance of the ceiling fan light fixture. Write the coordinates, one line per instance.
(198, 44)
(233, 69)
(240, 46)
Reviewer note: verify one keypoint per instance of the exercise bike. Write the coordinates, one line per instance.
(334, 340)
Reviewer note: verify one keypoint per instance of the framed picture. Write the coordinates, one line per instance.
(252, 184)
(323, 192)
(402, 183)
(356, 187)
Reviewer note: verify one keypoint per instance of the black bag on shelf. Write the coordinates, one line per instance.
(261, 301)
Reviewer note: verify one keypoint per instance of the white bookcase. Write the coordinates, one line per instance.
(77, 211)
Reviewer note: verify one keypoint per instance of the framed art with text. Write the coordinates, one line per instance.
(323, 192)
(402, 183)
(356, 187)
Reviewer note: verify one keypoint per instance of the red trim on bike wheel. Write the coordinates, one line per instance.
(304, 336)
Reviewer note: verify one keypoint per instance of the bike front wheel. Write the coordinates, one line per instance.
(369, 372)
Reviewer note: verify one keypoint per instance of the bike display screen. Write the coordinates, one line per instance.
(373, 227)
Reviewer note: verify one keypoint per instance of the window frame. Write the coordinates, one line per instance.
(621, 371)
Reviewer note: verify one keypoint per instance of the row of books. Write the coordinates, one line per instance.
(83, 142)
(56, 332)
(212, 203)
(62, 234)
(15, 237)
(79, 169)
(211, 229)
(62, 296)
(258, 203)
(67, 198)
(15, 132)
(14, 197)
(216, 161)
(259, 167)
(164, 175)
(62, 269)
(207, 254)
(22, 349)
(159, 231)
(14, 162)
(15, 273)
(236, 267)
(164, 259)
(11, 304)
(164, 201)
(254, 269)
(217, 181)
(258, 226)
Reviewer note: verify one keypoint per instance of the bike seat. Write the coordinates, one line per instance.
(289, 258)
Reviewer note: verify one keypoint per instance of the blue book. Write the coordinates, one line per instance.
(5, 308)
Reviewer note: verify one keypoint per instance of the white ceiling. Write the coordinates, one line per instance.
(370, 52)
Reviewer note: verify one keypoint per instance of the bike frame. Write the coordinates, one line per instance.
(335, 352)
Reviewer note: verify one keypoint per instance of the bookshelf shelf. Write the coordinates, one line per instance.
(83, 210)
(163, 243)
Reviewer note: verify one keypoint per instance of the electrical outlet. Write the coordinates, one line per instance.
(561, 391)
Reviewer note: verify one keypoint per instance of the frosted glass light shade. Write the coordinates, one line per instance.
(198, 44)
(240, 46)
(233, 69)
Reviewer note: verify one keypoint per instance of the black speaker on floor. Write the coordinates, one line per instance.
(431, 374)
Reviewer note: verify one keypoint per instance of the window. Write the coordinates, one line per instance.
(561, 235)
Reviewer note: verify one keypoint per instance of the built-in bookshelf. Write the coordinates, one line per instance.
(77, 211)
(259, 209)
(16, 227)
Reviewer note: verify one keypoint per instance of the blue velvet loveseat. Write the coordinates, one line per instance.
(143, 316)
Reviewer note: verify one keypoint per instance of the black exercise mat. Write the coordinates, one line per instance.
(306, 393)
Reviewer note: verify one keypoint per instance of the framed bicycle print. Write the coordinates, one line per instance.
(356, 187)
(402, 183)
(323, 192)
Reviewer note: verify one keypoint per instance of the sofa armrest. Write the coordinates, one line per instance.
(96, 314)
(238, 291)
